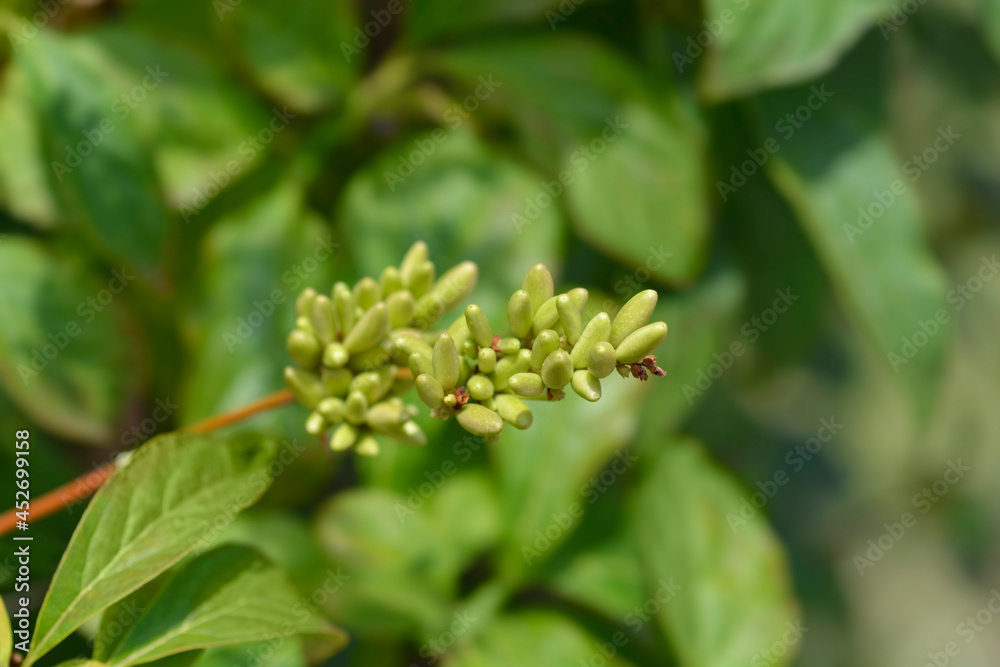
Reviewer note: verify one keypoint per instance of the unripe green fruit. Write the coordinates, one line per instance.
(304, 349)
(369, 330)
(597, 330)
(315, 423)
(423, 278)
(479, 421)
(601, 359)
(569, 317)
(323, 319)
(513, 410)
(414, 258)
(355, 407)
(400, 305)
(430, 391)
(546, 316)
(526, 384)
(519, 313)
(332, 409)
(386, 416)
(305, 386)
(451, 288)
(586, 385)
(390, 281)
(343, 437)
(486, 360)
(641, 343)
(579, 297)
(336, 381)
(303, 304)
(367, 292)
(509, 346)
(367, 446)
(447, 364)
(335, 355)
(479, 387)
(479, 326)
(633, 315)
(421, 364)
(546, 342)
(539, 285)
(557, 370)
(343, 304)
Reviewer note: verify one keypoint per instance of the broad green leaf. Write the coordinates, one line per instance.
(6, 637)
(24, 182)
(172, 494)
(439, 18)
(531, 639)
(859, 206)
(81, 662)
(66, 353)
(546, 471)
(226, 596)
(256, 654)
(757, 45)
(400, 575)
(448, 189)
(465, 513)
(91, 141)
(300, 53)
(734, 597)
(626, 156)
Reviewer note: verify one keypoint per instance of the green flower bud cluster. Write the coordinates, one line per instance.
(359, 350)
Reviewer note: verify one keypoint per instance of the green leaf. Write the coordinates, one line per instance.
(760, 45)
(90, 142)
(621, 152)
(834, 172)
(400, 575)
(173, 493)
(297, 52)
(6, 637)
(544, 471)
(461, 199)
(81, 662)
(532, 639)
(440, 18)
(226, 596)
(465, 514)
(66, 353)
(735, 596)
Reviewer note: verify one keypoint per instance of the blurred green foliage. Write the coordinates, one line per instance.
(811, 186)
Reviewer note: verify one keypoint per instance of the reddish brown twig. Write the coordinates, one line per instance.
(83, 486)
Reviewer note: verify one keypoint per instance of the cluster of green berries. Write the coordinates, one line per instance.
(361, 349)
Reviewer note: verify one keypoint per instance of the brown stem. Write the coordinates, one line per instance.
(83, 486)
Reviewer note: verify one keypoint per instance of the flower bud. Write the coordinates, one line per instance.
(355, 407)
(343, 437)
(408, 433)
(415, 256)
(420, 364)
(486, 360)
(513, 410)
(509, 345)
(305, 386)
(450, 289)
(546, 342)
(367, 446)
(332, 409)
(303, 304)
(579, 297)
(633, 315)
(479, 387)
(408, 344)
(519, 313)
(369, 330)
(569, 316)
(539, 286)
(526, 384)
(480, 421)
(390, 281)
(400, 305)
(386, 416)
(597, 330)
(546, 316)
(323, 319)
(430, 391)
(422, 279)
(335, 355)
(447, 365)
(343, 304)
(304, 349)
(641, 343)
(586, 385)
(508, 366)
(557, 369)
(479, 326)
(336, 381)
(315, 423)
(601, 359)
(367, 292)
